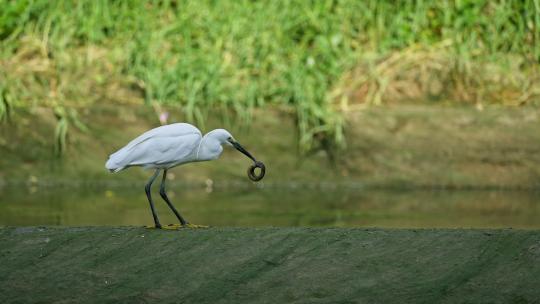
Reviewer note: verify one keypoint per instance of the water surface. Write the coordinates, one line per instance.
(255, 207)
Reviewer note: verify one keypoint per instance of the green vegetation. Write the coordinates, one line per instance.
(315, 57)
(269, 265)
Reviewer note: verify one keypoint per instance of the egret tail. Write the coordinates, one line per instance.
(112, 166)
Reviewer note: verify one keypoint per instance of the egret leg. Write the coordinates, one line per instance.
(166, 199)
(148, 189)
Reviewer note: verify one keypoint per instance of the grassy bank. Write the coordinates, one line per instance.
(296, 265)
(317, 58)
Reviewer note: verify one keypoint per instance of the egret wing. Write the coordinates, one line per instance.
(164, 150)
(160, 145)
(177, 129)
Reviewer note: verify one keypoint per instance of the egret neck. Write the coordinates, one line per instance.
(209, 149)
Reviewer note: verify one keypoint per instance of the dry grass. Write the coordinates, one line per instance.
(419, 74)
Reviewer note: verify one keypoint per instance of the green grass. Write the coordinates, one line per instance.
(316, 57)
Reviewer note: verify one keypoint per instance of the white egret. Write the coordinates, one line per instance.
(172, 145)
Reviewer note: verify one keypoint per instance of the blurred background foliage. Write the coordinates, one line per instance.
(315, 59)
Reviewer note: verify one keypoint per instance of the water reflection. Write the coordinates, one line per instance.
(255, 207)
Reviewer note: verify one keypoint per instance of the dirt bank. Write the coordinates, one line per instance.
(404, 146)
(271, 265)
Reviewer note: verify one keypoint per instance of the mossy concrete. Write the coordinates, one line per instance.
(270, 265)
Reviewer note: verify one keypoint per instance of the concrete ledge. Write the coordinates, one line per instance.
(269, 265)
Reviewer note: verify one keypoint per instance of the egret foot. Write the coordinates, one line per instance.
(153, 227)
(173, 227)
(188, 225)
(180, 226)
(177, 227)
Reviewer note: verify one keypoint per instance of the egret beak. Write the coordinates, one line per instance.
(241, 149)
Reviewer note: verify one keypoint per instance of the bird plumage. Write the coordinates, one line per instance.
(162, 147)
(171, 145)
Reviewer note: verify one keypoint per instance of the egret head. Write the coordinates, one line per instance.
(222, 136)
(225, 138)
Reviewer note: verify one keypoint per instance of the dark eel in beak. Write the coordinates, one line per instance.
(256, 164)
